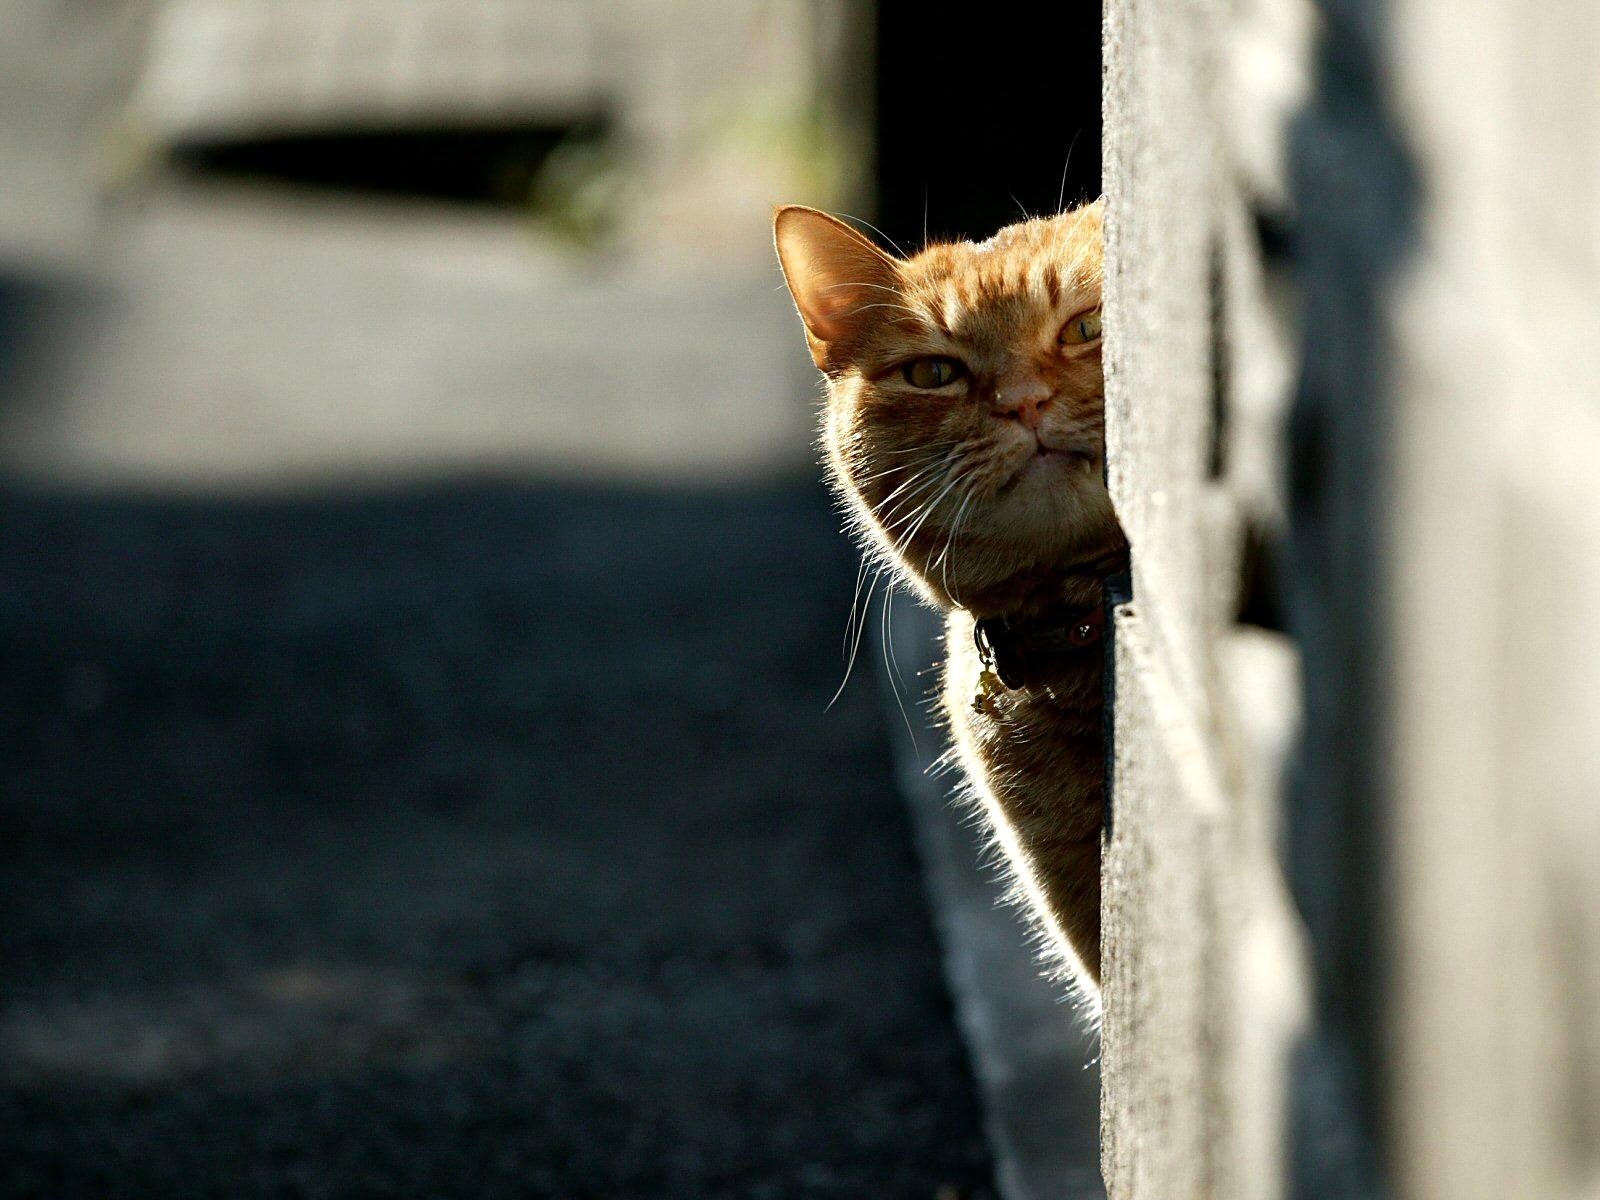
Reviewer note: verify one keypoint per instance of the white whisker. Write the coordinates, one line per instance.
(891, 662)
(1061, 199)
(856, 645)
(910, 312)
(946, 555)
(927, 512)
(855, 600)
(887, 513)
(877, 287)
(877, 231)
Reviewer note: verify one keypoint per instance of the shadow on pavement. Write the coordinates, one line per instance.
(481, 840)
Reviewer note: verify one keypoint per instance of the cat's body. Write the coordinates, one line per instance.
(964, 428)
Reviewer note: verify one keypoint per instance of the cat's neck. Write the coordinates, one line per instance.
(1036, 594)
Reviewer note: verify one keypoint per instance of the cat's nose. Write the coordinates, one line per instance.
(1023, 399)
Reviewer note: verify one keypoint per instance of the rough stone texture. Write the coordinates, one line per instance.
(1436, 976)
(1160, 184)
(1203, 967)
(1159, 944)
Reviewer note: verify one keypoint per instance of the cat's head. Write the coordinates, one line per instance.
(965, 415)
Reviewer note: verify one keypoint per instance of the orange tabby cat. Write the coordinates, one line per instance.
(965, 429)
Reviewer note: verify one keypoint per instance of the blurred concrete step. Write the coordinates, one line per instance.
(251, 342)
(229, 69)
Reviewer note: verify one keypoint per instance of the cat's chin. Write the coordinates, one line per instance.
(1053, 494)
(1057, 517)
(1051, 468)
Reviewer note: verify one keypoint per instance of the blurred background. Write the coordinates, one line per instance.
(419, 609)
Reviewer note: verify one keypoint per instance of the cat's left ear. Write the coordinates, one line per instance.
(834, 274)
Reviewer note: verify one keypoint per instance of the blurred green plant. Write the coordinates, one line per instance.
(583, 188)
(793, 140)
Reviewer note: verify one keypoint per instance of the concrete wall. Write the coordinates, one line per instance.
(715, 110)
(1420, 1020)
(182, 337)
(1202, 987)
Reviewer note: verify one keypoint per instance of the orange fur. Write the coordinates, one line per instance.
(987, 493)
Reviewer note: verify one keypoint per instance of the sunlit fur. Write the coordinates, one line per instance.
(987, 495)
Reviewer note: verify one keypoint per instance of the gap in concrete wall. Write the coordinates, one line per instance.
(1221, 376)
(1260, 580)
(1259, 595)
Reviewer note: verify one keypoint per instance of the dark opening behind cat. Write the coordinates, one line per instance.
(964, 429)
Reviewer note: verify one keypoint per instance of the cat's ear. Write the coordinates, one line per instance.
(834, 274)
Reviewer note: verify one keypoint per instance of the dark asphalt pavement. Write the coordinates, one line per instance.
(480, 842)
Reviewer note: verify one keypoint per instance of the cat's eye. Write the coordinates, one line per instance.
(1082, 329)
(932, 372)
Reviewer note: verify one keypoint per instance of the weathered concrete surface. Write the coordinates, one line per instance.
(232, 337)
(1161, 977)
(1203, 972)
(718, 109)
(242, 68)
(1443, 589)
(229, 339)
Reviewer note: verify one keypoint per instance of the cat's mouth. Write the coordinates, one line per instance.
(1047, 452)
(1047, 460)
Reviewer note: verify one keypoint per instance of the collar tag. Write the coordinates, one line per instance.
(1016, 654)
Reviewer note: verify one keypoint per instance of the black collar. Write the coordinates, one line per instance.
(1023, 652)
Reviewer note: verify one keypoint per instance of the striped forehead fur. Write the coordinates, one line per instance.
(1039, 261)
